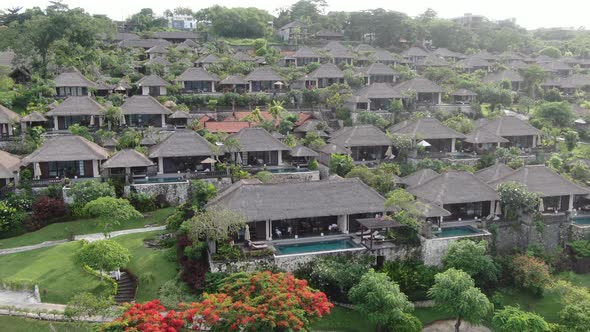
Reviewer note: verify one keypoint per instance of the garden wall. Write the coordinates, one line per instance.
(578, 232)
(398, 252)
(551, 234)
(175, 193)
(434, 249)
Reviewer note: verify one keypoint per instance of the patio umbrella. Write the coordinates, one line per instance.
(122, 119)
(92, 120)
(279, 83)
(209, 161)
(247, 233)
(424, 143)
(389, 152)
(498, 209)
(541, 205)
(238, 158)
(37, 170)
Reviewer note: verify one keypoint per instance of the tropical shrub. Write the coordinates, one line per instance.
(473, 259)
(340, 164)
(530, 273)
(413, 277)
(10, 218)
(511, 319)
(515, 199)
(85, 191)
(142, 202)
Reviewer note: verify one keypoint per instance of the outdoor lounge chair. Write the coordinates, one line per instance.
(375, 235)
(257, 245)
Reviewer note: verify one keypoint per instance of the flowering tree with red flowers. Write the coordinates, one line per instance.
(262, 301)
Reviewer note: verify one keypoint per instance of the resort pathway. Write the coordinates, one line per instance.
(87, 237)
(449, 326)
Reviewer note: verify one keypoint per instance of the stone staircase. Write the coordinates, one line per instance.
(126, 287)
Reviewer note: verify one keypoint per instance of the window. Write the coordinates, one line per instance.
(81, 168)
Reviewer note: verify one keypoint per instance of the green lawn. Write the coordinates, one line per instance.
(18, 324)
(60, 231)
(343, 320)
(429, 315)
(56, 273)
(147, 261)
(54, 270)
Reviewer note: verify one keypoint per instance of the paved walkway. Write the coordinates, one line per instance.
(87, 237)
(449, 326)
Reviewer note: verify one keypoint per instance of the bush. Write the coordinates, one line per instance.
(335, 275)
(473, 258)
(53, 191)
(214, 282)
(580, 248)
(147, 278)
(174, 292)
(85, 191)
(196, 250)
(341, 164)
(413, 277)
(201, 192)
(313, 165)
(10, 218)
(22, 201)
(45, 211)
(263, 176)
(142, 202)
(530, 273)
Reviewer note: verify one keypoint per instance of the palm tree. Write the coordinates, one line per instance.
(533, 76)
(276, 109)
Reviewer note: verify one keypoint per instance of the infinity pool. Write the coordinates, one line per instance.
(300, 248)
(585, 220)
(456, 231)
(157, 180)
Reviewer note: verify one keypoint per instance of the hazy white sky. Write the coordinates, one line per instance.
(528, 13)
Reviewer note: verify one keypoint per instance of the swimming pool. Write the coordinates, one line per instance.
(585, 220)
(301, 248)
(456, 231)
(157, 180)
(289, 170)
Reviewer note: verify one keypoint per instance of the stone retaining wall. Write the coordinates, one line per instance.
(295, 177)
(175, 193)
(577, 232)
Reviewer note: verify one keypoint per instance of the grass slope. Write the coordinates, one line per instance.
(19, 324)
(60, 231)
(58, 277)
(147, 261)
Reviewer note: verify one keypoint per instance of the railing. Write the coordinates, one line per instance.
(207, 175)
(46, 182)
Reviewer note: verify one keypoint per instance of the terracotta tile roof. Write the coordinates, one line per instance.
(228, 127)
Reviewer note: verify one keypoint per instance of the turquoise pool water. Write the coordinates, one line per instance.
(157, 180)
(456, 231)
(582, 220)
(289, 170)
(300, 248)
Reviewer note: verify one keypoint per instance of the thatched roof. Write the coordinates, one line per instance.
(179, 114)
(241, 56)
(418, 85)
(555, 66)
(418, 177)
(493, 173)
(306, 52)
(293, 24)
(364, 135)
(127, 158)
(310, 125)
(326, 70)
(176, 35)
(378, 68)
(72, 79)
(472, 62)
(430, 210)
(542, 180)
(144, 43)
(152, 80)
(9, 163)
(110, 142)
(7, 58)
(263, 74)
(425, 128)
(364, 48)
(159, 60)
(303, 151)
(33, 117)
(182, 143)
(432, 60)
(66, 148)
(483, 136)
(208, 59)
(454, 187)
(8, 116)
(518, 65)
(446, 53)
(376, 91)
(233, 79)
(510, 126)
(77, 106)
(158, 49)
(504, 75)
(257, 139)
(334, 149)
(414, 51)
(143, 105)
(197, 74)
(463, 93)
(336, 197)
(484, 54)
(190, 43)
